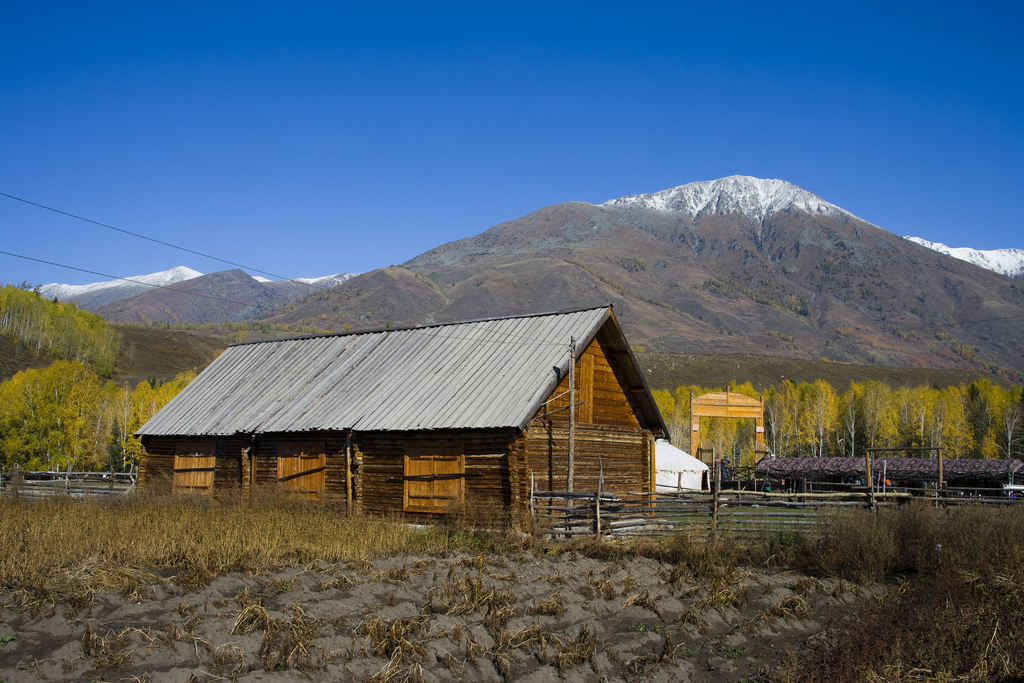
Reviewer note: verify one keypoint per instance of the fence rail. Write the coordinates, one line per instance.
(742, 513)
(35, 485)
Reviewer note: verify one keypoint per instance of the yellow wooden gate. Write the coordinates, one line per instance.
(434, 476)
(194, 464)
(301, 467)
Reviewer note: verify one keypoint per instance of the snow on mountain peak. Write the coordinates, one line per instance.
(324, 282)
(753, 197)
(327, 280)
(135, 284)
(1004, 261)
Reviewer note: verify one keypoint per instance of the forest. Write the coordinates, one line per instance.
(68, 414)
(57, 329)
(979, 420)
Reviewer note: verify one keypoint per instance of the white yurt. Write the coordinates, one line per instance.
(676, 469)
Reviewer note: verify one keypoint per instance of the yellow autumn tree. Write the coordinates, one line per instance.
(54, 417)
(821, 408)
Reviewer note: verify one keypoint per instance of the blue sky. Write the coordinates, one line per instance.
(305, 139)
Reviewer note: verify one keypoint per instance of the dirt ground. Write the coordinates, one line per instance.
(463, 617)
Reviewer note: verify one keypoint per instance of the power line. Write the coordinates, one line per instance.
(506, 337)
(126, 279)
(144, 237)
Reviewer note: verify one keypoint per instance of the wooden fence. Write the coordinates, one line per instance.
(738, 513)
(34, 485)
(728, 512)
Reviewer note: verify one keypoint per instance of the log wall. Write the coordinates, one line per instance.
(379, 458)
(156, 465)
(606, 396)
(233, 474)
(267, 449)
(622, 453)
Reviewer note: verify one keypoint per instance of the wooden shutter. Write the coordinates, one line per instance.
(194, 463)
(434, 476)
(300, 468)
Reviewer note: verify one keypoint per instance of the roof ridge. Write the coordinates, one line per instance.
(327, 335)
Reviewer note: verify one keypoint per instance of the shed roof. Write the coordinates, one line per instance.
(920, 469)
(476, 374)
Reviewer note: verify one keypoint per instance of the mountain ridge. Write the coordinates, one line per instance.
(769, 269)
(1009, 262)
(101, 295)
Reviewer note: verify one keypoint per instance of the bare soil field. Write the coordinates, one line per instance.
(527, 617)
(189, 590)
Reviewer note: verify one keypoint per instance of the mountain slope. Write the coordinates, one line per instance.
(98, 294)
(224, 295)
(736, 265)
(1008, 262)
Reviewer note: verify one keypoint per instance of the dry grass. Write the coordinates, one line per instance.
(554, 606)
(66, 546)
(964, 583)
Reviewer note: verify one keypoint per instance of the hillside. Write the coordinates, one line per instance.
(225, 295)
(738, 265)
(162, 354)
(1008, 262)
(33, 328)
(672, 370)
(15, 357)
(165, 296)
(96, 294)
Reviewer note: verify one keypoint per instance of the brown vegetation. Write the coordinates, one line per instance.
(495, 605)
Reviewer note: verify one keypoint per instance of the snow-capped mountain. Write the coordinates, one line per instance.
(756, 198)
(97, 294)
(324, 282)
(1005, 261)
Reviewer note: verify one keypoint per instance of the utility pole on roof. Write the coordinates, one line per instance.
(572, 410)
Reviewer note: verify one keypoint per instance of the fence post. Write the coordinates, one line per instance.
(532, 489)
(597, 513)
(716, 486)
(16, 481)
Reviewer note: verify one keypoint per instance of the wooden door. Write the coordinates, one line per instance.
(300, 468)
(434, 476)
(194, 463)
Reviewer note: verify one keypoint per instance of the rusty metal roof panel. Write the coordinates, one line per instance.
(487, 373)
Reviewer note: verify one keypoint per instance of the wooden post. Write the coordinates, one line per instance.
(532, 489)
(652, 462)
(572, 411)
(597, 513)
(871, 484)
(694, 432)
(941, 480)
(252, 469)
(716, 485)
(348, 474)
(110, 486)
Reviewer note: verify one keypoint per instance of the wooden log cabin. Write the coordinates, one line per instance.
(414, 420)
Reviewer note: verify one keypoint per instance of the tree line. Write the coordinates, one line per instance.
(57, 329)
(66, 415)
(979, 420)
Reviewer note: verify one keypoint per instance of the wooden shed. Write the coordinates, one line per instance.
(414, 420)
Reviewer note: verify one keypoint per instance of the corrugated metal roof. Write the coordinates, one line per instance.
(486, 373)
